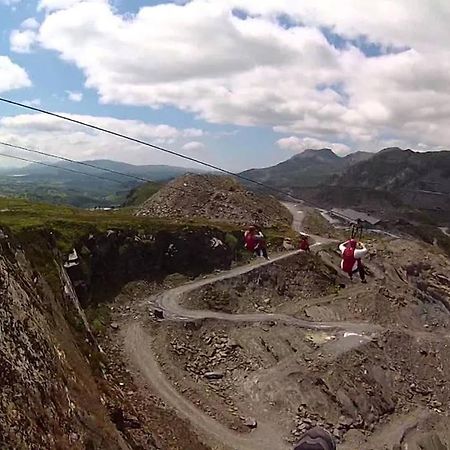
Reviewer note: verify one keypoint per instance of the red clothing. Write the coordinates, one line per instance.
(348, 260)
(250, 241)
(304, 245)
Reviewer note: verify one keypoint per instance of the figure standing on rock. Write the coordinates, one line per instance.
(255, 241)
(352, 258)
(304, 243)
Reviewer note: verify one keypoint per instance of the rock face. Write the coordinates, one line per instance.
(109, 260)
(48, 396)
(393, 178)
(215, 198)
(55, 392)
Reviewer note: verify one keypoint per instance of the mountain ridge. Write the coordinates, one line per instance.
(392, 181)
(307, 169)
(161, 171)
(58, 185)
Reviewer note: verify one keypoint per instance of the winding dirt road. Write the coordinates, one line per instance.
(138, 346)
(169, 302)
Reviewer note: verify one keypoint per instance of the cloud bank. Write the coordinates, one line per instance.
(357, 77)
(52, 135)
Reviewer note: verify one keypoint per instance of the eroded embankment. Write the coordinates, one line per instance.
(57, 387)
(288, 282)
(385, 385)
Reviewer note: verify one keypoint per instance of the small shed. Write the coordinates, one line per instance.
(352, 216)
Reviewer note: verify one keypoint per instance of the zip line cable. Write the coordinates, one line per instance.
(81, 163)
(64, 168)
(147, 144)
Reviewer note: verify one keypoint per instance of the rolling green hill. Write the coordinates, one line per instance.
(59, 186)
(141, 194)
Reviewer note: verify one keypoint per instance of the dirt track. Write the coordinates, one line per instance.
(138, 346)
(348, 335)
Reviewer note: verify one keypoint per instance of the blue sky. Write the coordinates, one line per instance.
(234, 147)
(239, 83)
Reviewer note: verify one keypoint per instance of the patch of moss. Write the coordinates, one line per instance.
(275, 236)
(76, 323)
(99, 317)
(231, 241)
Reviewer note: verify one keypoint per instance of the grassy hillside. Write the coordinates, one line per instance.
(68, 225)
(140, 194)
(57, 185)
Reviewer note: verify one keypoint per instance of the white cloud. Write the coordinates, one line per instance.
(193, 146)
(30, 24)
(22, 40)
(54, 5)
(52, 135)
(200, 57)
(193, 133)
(33, 102)
(12, 76)
(298, 145)
(74, 96)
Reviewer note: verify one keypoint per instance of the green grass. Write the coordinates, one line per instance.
(99, 318)
(40, 227)
(142, 193)
(27, 220)
(69, 225)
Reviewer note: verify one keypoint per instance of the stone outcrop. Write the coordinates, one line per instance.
(216, 198)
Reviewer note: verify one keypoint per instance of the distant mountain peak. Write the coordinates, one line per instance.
(324, 153)
(395, 150)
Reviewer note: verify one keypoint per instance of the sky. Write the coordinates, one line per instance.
(237, 83)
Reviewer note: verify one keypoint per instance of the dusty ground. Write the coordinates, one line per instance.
(269, 289)
(139, 412)
(376, 375)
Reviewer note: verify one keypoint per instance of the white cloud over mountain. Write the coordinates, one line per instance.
(358, 75)
(193, 146)
(52, 135)
(298, 145)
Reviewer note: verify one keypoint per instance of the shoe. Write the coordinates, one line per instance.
(364, 281)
